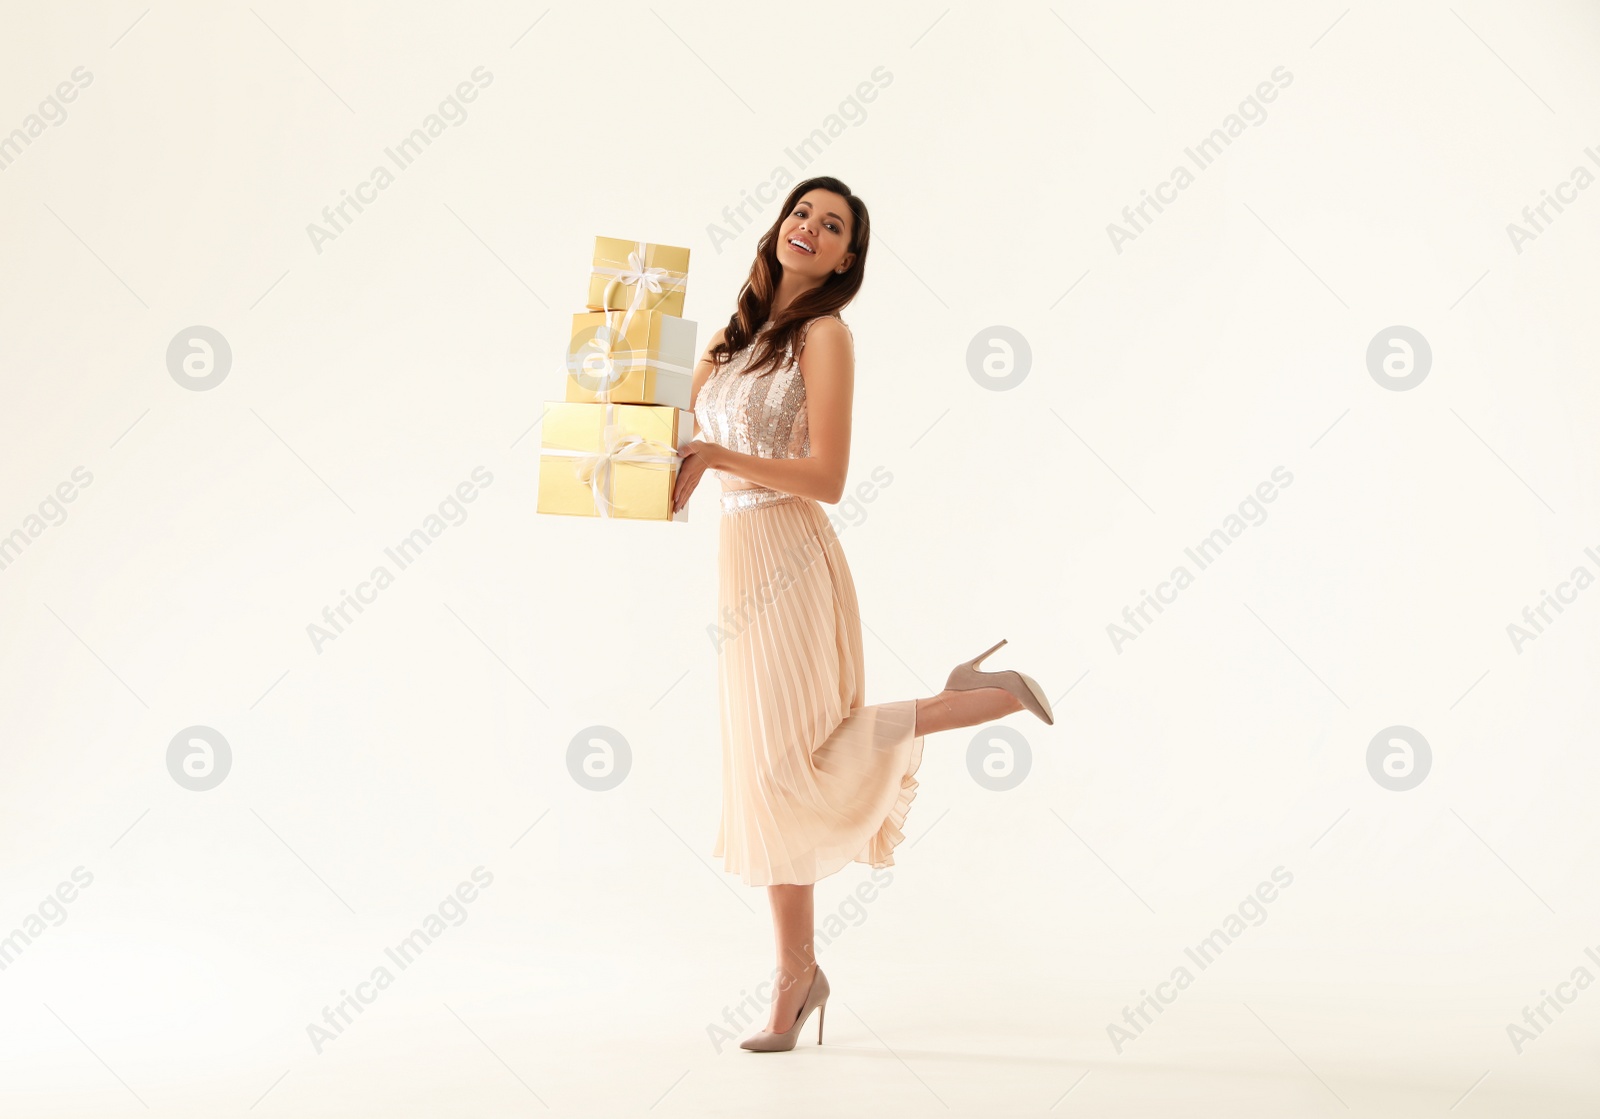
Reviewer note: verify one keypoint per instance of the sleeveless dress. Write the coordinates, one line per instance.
(812, 777)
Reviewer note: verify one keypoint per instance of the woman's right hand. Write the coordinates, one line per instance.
(690, 468)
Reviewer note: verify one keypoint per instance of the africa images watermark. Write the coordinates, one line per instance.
(1204, 553)
(52, 111)
(403, 155)
(336, 619)
(1537, 617)
(338, 1017)
(851, 913)
(1536, 1017)
(52, 511)
(49, 913)
(1203, 155)
(1536, 218)
(852, 111)
(851, 511)
(1252, 909)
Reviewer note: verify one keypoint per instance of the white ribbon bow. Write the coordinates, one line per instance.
(655, 281)
(594, 468)
(637, 273)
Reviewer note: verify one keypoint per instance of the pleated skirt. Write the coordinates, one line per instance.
(812, 777)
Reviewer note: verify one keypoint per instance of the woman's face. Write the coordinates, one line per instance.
(820, 222)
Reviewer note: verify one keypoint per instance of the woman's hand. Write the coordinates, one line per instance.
(697, 459)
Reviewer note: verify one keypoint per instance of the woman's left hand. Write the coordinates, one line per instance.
(696, 461)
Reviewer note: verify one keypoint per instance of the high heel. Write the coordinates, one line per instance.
(769, 1041)
(966, 676)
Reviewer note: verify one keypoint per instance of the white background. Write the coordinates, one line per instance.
(1166, 382)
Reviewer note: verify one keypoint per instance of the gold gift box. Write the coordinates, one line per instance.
(636, 490)
(615, 256)
(651, 353)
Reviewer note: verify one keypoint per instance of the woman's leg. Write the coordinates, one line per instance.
(793, 913)
(793, 924)
(966, 708)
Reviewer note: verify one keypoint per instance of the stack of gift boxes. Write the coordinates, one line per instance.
(612, 447)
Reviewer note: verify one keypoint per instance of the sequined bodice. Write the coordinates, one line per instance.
(762, 414)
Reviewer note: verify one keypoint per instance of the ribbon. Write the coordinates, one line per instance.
(644, 278)
(595, 468)
(655, 281)
(617, 446)
(602, 357)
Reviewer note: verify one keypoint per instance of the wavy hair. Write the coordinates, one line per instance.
(754, 304)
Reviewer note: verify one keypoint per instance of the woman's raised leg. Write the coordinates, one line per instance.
(965, 708)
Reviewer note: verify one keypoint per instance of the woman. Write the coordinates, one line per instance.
(812, 779)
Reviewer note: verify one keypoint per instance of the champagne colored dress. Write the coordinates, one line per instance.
(812, 778)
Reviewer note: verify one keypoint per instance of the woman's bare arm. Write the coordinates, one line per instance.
(702, 372)
(827, 363)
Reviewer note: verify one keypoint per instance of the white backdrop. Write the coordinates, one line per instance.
(1051, 880)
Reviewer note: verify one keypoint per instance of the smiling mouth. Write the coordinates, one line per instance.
(799, 248)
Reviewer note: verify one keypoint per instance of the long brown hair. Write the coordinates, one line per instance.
(755, 298)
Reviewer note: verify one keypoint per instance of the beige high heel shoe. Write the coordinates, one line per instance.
(966, 676)
(768, 1041)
